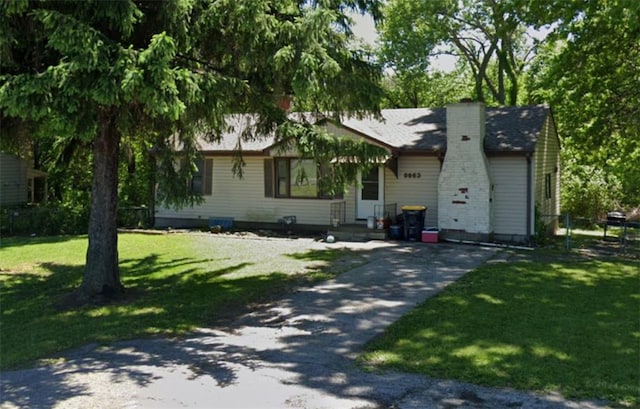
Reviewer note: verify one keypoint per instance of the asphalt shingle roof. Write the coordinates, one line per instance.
(509, 129)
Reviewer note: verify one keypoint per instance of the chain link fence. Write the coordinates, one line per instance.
(614, 233)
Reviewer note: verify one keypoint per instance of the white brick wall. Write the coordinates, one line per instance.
(464, 185)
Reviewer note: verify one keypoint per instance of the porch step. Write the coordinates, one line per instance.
(356, 232)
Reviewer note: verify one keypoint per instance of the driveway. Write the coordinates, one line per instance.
(296, 353)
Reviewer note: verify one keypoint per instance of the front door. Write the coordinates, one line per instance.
(371, 193)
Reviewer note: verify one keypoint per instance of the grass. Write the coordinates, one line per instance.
(571, 327)
(174, 283)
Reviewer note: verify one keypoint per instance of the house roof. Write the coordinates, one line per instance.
(235, 137)
(508, 129)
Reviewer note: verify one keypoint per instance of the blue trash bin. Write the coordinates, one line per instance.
(395, 232)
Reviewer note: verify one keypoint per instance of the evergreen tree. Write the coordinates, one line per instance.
(99, 72)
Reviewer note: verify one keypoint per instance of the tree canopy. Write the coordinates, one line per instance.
(489, 37)
(589, 74)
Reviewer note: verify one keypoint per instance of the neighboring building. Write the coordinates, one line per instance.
(481, 173)
(20, 183)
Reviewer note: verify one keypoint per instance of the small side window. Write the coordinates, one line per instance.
(547, 186)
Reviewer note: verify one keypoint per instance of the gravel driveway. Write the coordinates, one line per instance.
(296, 353)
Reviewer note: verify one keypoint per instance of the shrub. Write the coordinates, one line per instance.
(588, 193)
(50, 219)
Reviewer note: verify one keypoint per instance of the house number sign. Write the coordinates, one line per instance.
(412, 175)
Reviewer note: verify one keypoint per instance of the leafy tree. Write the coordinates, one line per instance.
(482, 33)
(590, 76)
(430, 89)
(101, 73)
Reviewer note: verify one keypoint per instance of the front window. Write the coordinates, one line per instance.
(296, 178)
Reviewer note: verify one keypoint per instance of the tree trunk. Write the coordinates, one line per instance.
(101, 274)
(502, 62)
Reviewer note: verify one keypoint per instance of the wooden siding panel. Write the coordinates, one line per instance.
(509, 179)
(244, 198)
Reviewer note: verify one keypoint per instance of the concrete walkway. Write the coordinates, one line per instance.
(296, 353)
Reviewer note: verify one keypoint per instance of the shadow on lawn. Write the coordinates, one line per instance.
(161, 297)
(567, 326)
(164, 297)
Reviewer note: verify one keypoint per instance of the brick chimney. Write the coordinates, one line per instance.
(464, 184)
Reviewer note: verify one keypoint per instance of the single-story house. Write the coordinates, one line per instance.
(19, 182)
(483, 173)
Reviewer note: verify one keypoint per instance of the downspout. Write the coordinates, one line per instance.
(529, 194)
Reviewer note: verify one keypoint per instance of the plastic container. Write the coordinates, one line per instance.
(224, 222)
(430, 235)
(371, 222)
(395, 232)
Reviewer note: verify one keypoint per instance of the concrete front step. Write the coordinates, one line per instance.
(357, 233)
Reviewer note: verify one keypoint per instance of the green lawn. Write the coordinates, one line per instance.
(572, 327)
(174, 283)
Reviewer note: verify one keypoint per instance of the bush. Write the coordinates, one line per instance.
(588, 194)
(50, 219)
(62, 218)
(134, 217)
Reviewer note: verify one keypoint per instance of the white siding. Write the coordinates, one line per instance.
(243, 199)
(547, 162)
(509, 177)
(13, 180)
(409, 190)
